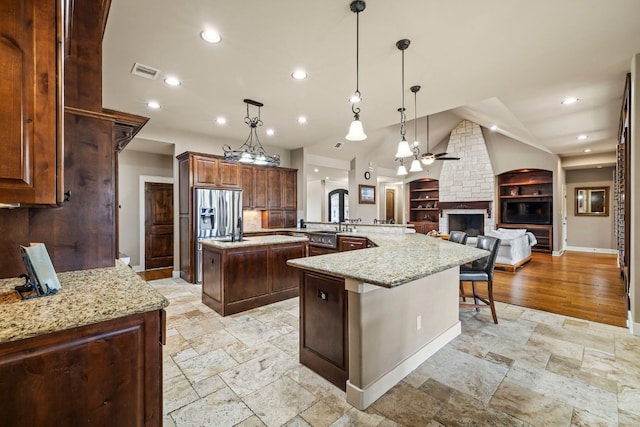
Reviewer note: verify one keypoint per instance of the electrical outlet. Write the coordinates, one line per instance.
(418, 323)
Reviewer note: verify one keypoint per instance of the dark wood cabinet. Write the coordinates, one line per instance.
(425, 227)
(240, 279)
(109, 373)
(213, 172)
(263, 188)
(351, 243)
(31, 102)
(282, 187)
(274, 189)
(253, 181)
(324, 326)
(319, 250)
(82, 233)
(526, 201)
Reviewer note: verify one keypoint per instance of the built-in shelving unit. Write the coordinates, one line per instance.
(526, 201)
(423, 204)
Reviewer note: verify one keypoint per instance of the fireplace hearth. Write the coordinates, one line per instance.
(472, 224)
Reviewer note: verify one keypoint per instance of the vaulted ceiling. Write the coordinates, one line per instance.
(507, 63)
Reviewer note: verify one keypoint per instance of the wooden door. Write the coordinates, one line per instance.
(158, 222)
(390, 204)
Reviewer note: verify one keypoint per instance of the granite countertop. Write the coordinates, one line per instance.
(399, 258)
(253, 241)
(86, 297)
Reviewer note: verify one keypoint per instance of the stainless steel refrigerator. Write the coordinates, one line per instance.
(218, 216)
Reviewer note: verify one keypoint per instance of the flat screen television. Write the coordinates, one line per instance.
(526, 212)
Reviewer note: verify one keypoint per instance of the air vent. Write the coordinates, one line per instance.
(338, 145)
(145, 71)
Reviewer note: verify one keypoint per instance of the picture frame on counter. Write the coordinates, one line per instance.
(366, 194)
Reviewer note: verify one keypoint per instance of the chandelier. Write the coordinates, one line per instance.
(251, 151)
(356, 132)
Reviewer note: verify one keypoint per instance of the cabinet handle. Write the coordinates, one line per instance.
(213, 261)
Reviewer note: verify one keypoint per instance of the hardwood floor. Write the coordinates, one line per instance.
(577, 284)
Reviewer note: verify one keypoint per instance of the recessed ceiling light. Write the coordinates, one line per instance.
(271, 132)
(494, 128)
(316, 170)
(153, 104)
(211, 36)
(299, 74)
(172, 81)
(221, 120)
(587, 150)
(582, 137)
(326, 177)
(599, 166)
(302, 119)
(568, 101)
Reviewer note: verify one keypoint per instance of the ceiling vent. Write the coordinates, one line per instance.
(338, 145)
(145, 71)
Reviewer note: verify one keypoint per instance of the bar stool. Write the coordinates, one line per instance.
(481, 270)
(458, 237)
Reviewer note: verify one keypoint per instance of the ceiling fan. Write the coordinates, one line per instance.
(428, 157)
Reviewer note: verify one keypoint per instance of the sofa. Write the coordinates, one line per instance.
(515, 247)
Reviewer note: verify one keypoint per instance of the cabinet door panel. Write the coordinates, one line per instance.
(246, 274)
(289, 189)
(260, 188)
(229, 174)
(274, 183)
(206, 171)
(283, 276)
(30, 112)
(247, 185)
(212, 275)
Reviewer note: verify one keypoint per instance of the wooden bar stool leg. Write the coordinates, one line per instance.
(493, 307)
(475, 295)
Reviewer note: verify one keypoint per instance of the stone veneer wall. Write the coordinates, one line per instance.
(471, 178)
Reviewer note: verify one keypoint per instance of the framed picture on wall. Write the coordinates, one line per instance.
(366, 194)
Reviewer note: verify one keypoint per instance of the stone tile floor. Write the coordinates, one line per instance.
(533, 369)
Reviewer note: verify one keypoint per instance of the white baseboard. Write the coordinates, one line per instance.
(137, 268)
(175, 274)
(634, 328)
(362, 398)
(593, 250)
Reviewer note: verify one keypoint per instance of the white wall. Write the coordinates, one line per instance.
(589, 232)
(132, 165)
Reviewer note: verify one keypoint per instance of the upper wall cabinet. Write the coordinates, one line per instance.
(30, 102)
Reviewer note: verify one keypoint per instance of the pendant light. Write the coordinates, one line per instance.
(251, 151)
(356, 132)
(404, 150)
(415, 163)
(402, 170)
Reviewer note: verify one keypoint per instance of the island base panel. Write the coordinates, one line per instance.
(323, 327)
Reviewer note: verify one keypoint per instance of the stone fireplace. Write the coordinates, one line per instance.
(467, 186)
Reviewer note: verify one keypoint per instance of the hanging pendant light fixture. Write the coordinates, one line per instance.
(402, 170)
(356, 131)
(251, 151)
(415, 163)
(404, 150)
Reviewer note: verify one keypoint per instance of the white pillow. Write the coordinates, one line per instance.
(513, 232)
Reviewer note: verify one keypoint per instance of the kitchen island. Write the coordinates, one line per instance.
(238, 276)
(371, 316)
(89, 355)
